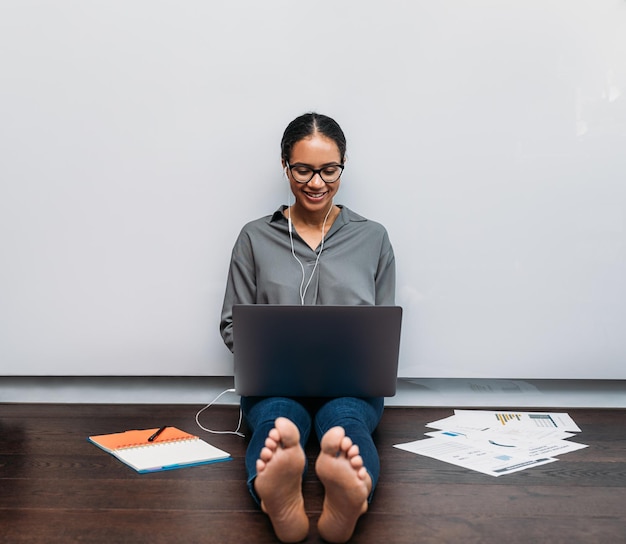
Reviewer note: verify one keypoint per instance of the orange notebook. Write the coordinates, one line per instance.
(172, 449)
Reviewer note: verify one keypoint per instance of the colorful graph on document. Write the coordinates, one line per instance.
(505, 418)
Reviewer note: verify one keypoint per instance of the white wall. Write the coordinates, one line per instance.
(137, 137)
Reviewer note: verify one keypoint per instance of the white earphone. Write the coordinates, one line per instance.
(288, 206)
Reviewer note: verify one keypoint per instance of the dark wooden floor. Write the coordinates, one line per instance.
(55, 487)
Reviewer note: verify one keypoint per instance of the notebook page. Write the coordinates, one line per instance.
(170, 454)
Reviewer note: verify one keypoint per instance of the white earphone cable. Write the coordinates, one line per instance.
(235, 432)
(317, 260)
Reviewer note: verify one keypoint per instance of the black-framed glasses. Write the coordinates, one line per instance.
(303, 174)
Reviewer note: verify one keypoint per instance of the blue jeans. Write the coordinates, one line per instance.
(359, 417)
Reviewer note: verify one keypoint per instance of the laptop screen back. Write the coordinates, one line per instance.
(316, 351)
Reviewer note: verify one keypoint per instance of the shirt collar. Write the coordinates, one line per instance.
(346, 215)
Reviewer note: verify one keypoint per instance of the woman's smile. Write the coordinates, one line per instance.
(315, 196)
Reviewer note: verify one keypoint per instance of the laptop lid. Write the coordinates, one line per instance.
(316, 351)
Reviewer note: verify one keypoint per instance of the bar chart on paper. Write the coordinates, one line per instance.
(505, 418)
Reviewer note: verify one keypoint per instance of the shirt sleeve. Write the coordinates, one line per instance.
(240, 286)
(386, 275)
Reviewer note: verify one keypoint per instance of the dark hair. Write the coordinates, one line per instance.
(308, 124)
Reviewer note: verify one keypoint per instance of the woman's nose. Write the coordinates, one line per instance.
(316, 180)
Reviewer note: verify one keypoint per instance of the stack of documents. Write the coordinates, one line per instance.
(497, 443)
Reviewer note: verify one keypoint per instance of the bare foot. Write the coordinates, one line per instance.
(347, 483)
(279, 481)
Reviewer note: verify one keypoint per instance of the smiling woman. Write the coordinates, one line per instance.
(343, 259)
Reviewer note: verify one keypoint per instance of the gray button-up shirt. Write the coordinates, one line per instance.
(357, 266)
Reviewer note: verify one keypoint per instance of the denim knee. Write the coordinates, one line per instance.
(263, 411)
(349, 413)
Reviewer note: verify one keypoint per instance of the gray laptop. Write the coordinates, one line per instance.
(316, 351)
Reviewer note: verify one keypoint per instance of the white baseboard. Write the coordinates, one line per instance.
(411, 392)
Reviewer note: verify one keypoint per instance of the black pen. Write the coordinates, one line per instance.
(154, 436)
